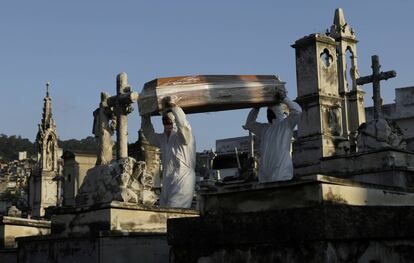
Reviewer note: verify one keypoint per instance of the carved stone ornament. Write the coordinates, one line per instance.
(124, 180)
(378, 134)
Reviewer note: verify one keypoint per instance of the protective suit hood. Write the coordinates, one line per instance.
(278, 112)
(275, 159)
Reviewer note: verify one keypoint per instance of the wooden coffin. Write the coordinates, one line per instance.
(206, 93)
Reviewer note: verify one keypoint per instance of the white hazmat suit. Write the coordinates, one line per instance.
(178, 157)
(275, 158)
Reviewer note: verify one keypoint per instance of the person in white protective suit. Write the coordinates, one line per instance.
(275, 160)
(178, 155)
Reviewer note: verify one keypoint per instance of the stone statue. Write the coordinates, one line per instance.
(333, 121)
(123, 179)
(380, 133)
(151, 156)
(49, 153)
(103, 128)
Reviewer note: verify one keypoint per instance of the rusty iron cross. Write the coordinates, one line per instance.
(375, 79)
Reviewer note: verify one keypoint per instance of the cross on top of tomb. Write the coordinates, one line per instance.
(375, 79)
(122, 105)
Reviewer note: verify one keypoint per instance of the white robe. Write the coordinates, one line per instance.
(178, 158)
(276, 137)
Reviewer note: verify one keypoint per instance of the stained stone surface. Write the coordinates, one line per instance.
(105, 248)
(115, 232)
(13, 227)
(115, 216)
(385, 166)
(336, 233)
(76, 165)
(307, 191)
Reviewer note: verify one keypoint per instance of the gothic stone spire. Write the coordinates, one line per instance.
(47, 120)
(43, 183)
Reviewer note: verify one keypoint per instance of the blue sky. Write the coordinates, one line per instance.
(80, 47)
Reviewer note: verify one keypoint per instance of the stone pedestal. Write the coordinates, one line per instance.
(14, 227)
(114, 216)
(307, 191)
(333, 233)
(107, 247)
(112, 232)
(390, 167)
(315, 218)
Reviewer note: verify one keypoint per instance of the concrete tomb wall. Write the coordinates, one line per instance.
(106, 248)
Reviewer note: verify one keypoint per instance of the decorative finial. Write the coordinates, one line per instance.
(122, 79)
(340, 27)
(47, 88)
(339, 18)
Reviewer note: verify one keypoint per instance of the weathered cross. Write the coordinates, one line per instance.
(122, 103)
(375, 78)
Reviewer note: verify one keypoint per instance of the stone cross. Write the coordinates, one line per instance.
(122, 105)
(375, 79)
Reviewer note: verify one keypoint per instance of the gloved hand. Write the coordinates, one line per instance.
(169, 102)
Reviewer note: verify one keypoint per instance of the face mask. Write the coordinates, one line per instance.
(168, 122)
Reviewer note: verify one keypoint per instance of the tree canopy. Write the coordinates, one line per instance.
(10, 146)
